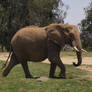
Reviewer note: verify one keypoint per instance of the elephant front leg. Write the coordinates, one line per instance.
(54, 58)
(62, 68)
(56, 61)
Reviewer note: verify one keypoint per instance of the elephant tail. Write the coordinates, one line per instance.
(4, 65)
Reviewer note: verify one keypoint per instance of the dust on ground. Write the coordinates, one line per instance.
(88, 69)
(3, 56)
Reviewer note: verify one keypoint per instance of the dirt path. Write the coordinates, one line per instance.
(66, 60)
(3, 56)
(69, 60)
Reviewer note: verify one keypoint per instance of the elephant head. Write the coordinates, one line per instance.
(62, 34)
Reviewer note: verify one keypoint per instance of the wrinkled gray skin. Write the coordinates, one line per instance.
(36, 44)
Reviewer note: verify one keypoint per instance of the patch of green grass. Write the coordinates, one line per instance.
(15, 81)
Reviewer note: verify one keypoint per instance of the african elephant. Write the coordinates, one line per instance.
(34, 43)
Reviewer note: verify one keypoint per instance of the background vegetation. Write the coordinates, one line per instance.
(86, 28)
(15, 14)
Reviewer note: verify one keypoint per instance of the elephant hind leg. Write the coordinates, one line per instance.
(11, 64)
(26, 69)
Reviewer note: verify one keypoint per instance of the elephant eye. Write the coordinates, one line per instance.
(67, 30)
(72, 36)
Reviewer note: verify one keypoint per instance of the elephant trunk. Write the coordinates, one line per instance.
(79, 57)
(78, 48)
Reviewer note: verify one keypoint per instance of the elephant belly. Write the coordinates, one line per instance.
(36, 55)
(37, 51)
(33, 52)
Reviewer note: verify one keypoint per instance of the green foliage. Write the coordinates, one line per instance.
(15, 14)
(44, 12)
(76, 80)
(86, 28)
(13, 17)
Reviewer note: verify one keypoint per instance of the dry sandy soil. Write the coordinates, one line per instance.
(66, 60)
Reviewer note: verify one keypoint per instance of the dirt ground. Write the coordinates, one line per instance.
(66, 60)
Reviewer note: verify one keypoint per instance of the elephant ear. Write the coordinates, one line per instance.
(55, 34)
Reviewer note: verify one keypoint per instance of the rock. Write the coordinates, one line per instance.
(42, 79)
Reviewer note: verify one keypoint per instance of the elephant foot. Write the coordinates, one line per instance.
(4, 74)
(57, 77)
(62, 76)
(51, 76)
(29, 76)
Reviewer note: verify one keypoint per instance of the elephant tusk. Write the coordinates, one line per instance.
(84, 50)
(75, 48)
